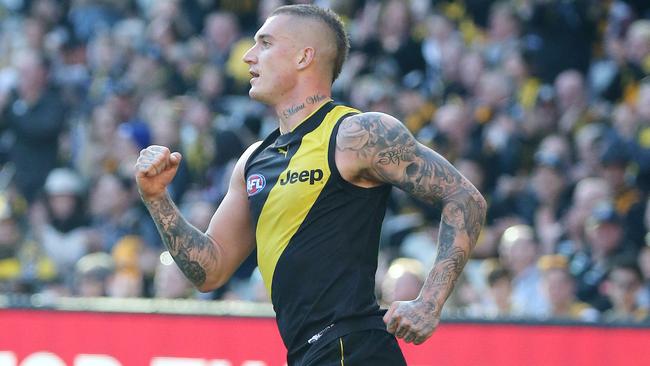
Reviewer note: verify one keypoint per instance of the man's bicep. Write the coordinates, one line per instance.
(231, 222)
(231, 227)
(388, 153)
(418, 170)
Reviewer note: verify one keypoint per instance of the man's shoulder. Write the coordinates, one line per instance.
(245, 158)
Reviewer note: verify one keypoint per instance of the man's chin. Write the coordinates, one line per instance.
(257, 96)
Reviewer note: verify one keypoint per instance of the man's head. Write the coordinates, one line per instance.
(570, 89)
(295, 39)
(500, 286)
(33, 69)
(623, 282)
(549, 176)
(614, 159)
(604, 229)
(221, 30)
(518, 248)
(558, 283)
(403, 280)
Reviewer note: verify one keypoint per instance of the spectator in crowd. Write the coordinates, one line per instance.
(637, 135)
(452, 123)
(572, 100)
(169, 282)
(61, 222)
(221, 32)
(128, 278)
(559, 290)
(502, 33)
(630, 61)
(92, 273)
(23, 265)
(518, 251)
(114, 214)
(605, 239)
(498, 303)
(586, 195)
(588, 145)
(628, 199)
(403, 280)
(558, 35)
(622, 287)
(33, 117)
(96, 150)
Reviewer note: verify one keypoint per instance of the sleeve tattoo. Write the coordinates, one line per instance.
(394, 156)
(192, 250)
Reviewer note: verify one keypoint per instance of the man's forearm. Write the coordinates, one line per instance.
(459, 228)
(193, 251)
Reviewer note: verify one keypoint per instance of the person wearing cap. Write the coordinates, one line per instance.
(559, 289)
(605, 239)
(92, 273)
(60, 222)
(615, 158)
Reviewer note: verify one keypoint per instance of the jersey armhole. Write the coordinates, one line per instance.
(331, 159)
(267, 141)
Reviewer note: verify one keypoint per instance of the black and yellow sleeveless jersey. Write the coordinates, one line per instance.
(317, 234)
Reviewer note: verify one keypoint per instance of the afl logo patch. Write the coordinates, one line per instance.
(255, 184)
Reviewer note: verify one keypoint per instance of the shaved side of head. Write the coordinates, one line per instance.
(319, 21)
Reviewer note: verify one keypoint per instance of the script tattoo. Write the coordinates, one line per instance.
(395, 157)
(190, 248)
(312, 99)
(316, 98)
(292, 110)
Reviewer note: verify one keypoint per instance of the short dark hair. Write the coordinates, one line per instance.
(498, 274)
(331, 20)
(626, 262)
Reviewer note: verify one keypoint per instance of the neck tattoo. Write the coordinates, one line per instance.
(311, 100)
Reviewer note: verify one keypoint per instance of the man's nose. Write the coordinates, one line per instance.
(249, 56)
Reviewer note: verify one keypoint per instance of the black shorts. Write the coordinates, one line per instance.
(367, 347)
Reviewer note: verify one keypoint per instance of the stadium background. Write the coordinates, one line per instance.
(543, 104)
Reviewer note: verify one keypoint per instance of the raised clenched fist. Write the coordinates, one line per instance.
(154, 170)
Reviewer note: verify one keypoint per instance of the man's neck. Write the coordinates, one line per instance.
(293, 112)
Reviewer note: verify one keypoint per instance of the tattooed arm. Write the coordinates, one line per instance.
(374, 148)
(207, 259)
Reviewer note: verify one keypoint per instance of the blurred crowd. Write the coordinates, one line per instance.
(543, 104)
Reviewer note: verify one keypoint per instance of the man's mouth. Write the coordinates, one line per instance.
(254, 75)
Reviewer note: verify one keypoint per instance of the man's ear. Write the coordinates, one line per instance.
(306, 57)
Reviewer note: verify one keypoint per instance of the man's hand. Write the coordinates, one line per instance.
(155, 169)
(414, 321)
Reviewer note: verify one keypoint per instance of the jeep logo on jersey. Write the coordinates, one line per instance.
(255, 184)
(311, 176)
